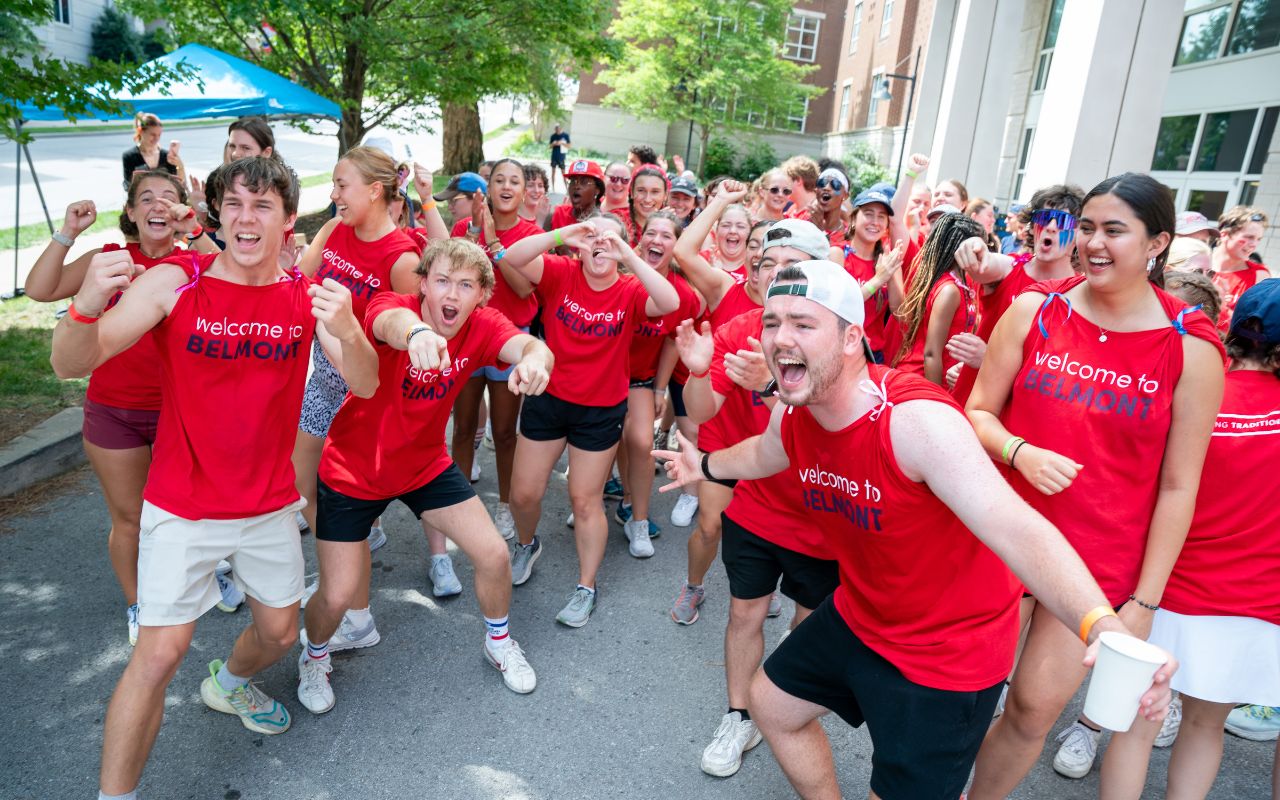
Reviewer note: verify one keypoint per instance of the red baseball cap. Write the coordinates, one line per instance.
(583, 167)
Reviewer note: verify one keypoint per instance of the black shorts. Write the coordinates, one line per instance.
(557, 158)
(677, 398)
(754, 565)
(924, 741)
(340, 518)
(545, 418)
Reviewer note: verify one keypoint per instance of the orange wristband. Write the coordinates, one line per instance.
(78, 317)
(1091, 619)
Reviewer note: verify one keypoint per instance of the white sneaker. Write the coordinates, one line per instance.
(685, 510)
(510, 661)
(488, 435)
(1172, 722)
(131, 615)
(349, 637)
(309, 591)
(504, 522)
(475, 471)
(637, 533)
(444, 581)
(303, 527)
(223, 568)
(735, 736)
(377, 537)
(775, 605)
(1078, 750)
(232, 597)
(1004, 695)
(569, 520)
(314, 691)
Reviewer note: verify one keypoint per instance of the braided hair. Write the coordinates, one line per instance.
(935, 260)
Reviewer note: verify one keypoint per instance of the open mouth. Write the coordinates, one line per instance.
(1047, 243)
(826, 197)
(449, 314)
(733, 241)
(1099, 263)
(654, 255)
(247, 241)
(506, 197)
(791, 370)
(157, 223)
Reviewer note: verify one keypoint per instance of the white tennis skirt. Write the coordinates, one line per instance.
(1222, 659)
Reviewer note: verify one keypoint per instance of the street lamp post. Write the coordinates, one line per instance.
(881, 92)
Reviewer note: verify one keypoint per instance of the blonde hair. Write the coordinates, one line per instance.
(1195, 288)
(1238, 216)
(376, 167)
(1182, 249)
(462, 254)
(803, 169)
(143, 120)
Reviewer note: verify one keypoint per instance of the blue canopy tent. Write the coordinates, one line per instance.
(221, 86)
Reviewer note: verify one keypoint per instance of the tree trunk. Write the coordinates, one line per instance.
(350, 130)
(704, 133)
(463, 139)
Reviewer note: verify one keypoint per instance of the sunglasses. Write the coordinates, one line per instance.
(780, 190)
(1066, 223)
(835, 184)
(620, 180)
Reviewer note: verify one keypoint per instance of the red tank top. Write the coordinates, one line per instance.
(363, 267)
(131, 378)
(993, 307)
(520, 310)
(1233, 284)
(233, 366)
(876, 307)
(965, 320)
(734, 302)
(915, 585)
(1230, 562)
(1106, 405)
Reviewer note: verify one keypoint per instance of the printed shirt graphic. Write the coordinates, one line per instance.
(363, 267)
(650, 332)
(915, 585)
(131, 378)
(394, 442)
(588, 331)
(1106, 405)
(233, 366)
(1231, 559)
(768, 507)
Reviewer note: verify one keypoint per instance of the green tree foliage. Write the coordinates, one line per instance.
(28, 75)
(114, 39)
(377, 57)
(719, 158)
(759, 159)
(717, 63)
(865, 169)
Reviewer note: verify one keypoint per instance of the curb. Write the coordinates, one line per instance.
(47, 450)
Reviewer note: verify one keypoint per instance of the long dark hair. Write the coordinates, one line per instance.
(936, 259)
(1151, 202)
(127, 227)
(523, 181)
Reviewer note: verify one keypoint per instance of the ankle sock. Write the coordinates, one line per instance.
(436, 558)
(693, 586)
(498, 633)
(315, 652)
(746, 715)
(229, 682)
(126, 796)
(588, 588)
(359, 617)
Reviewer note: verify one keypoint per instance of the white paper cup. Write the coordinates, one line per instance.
(1122, 674)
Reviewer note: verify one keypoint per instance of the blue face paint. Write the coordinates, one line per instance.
(1066, 224)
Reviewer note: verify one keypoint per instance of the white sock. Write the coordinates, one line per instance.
(126, 796)
(359, 616)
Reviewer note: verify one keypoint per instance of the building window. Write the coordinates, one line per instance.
(844, 107)
(1176, 137)
(886, 18)
(1045, 59)
(873, 102)
(796, 119)
(721, 24)
(856, 30)
(1257, 26)
(1263, 144)
(1202, 32)
(802, 38)
(1022, 162)
(62, 11)
(1225, 141)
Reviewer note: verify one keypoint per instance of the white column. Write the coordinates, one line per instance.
(933, 68)
(981, 174)
(961, 94)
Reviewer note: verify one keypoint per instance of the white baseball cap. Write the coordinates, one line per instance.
(828, 285)
(1189, 222)
(800, 234)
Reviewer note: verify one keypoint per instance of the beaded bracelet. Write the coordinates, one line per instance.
(1147, 606)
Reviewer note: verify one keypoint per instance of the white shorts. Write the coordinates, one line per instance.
(1222, 659)
(177, 558)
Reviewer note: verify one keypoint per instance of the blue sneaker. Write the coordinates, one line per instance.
(613, 489)
(623, 515)
(1257, 723)
(257, 711)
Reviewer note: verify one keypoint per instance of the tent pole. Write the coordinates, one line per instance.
(17, 204)
(40, 192)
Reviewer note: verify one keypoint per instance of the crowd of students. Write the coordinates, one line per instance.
(962, 452)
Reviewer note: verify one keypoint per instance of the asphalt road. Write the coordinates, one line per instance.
(623, 708)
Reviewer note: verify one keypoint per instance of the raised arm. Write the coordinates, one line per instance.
(663, 298)
(525, 256)
(80, 346)
(434, 223)
(497, 253)
(710, 282)
(917, 163)
(976, 259)
(50, 278)
(311, 258)
(341, 337)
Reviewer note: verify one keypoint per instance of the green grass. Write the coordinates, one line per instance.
(525, 146)
(38, 131)
(315, 180)
(29, 391)
(38, 232)
(498, 131)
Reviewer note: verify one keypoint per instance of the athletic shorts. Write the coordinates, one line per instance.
(340, 518)
(177, 558)
(754, 565)
(323, 396)
(545, 418)
(557, 158)
(677, 398)
(924, 740)
(113, 428)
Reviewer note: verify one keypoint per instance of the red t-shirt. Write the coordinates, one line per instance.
(419, 236)
(649, 333)
(589, 331)
(1107, 405)
(520, 310)
(734, 302)
(363, 267)
(394, 442)
(964, 320)
(837, 237)
(562, 215)
(915, 585)
(1231, 559)
(767, 507)
(876, 311)
(233, 366)
(794, 211)
(1233, 284)
(993, 307)
(131, 378)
